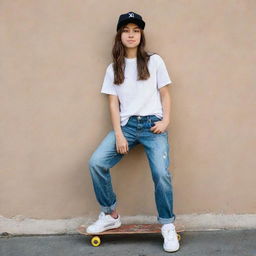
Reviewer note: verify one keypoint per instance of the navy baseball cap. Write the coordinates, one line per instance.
(130, 17)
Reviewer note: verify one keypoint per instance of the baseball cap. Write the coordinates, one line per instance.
(130, 17)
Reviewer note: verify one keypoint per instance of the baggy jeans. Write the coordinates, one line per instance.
(156, 146)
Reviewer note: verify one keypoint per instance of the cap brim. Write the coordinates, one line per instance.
(138, 22)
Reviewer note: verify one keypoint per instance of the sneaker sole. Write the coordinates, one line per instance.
(171, 251)
(117, 225)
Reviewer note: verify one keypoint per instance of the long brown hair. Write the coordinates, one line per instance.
(118, 55)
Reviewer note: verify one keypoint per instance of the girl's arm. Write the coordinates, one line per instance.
(121, 142)
(166, 103)
(162, 125)
(115, 114)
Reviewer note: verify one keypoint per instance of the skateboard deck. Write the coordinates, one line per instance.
(127, 229)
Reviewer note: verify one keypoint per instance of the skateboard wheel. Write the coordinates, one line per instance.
(95, 241)
(179, 236)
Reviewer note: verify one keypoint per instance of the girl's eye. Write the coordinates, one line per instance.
(125, 30)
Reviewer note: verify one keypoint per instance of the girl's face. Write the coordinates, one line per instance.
(130, 36)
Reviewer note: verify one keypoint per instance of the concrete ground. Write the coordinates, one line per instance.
(199, 243)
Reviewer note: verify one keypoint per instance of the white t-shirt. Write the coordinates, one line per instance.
(140, 97)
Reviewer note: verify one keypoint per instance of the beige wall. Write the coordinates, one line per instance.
(53, 116)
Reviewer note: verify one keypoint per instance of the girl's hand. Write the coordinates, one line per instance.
(159, 127)
(121, 144)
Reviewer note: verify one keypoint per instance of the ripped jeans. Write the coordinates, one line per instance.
(156, 146)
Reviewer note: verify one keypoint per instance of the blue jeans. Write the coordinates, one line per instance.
(136, 131)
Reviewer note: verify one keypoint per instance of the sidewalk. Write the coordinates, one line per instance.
(203, 243)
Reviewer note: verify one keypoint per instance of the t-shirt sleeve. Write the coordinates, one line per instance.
(163, 77)
(108, 85)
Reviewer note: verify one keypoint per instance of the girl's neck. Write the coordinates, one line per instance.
(131, 53)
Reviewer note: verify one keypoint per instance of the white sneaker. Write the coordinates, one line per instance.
(171, 242)
(105, 222)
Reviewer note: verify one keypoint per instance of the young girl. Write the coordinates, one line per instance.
(139, 103)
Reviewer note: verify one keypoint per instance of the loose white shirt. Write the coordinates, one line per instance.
(138, 97)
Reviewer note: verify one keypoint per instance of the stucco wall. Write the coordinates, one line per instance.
(53, 116)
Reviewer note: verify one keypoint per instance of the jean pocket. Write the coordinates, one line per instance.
(128, 122)
(152, 123)
(160, 134)
(154, 118)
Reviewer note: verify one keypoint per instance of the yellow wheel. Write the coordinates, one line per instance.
(95, 241)
(179, 236)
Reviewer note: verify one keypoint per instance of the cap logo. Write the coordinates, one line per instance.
(131, 15)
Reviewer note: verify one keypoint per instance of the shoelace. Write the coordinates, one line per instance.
(169, 234)
(101, 218)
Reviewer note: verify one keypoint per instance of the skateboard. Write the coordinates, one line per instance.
(127, 229)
